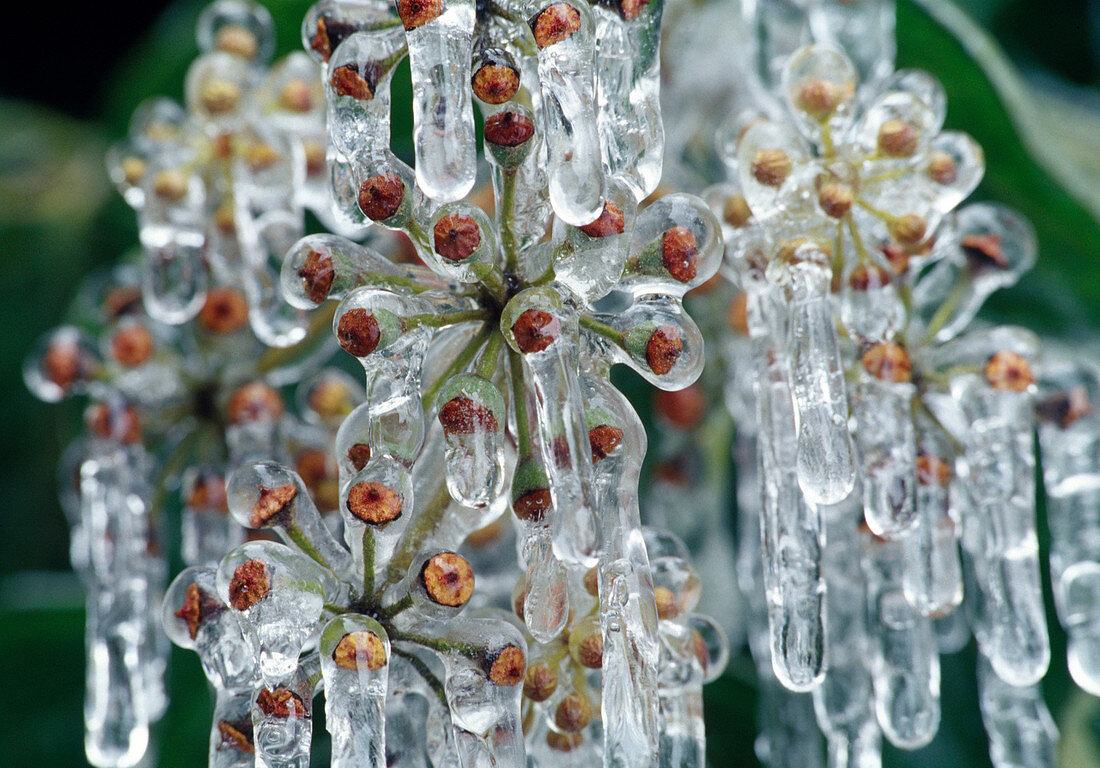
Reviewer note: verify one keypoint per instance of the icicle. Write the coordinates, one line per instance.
(933, 575)
(282, 723)
(1022, 734)
(355, 654)
(473, 416)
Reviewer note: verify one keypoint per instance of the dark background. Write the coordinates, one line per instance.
(69, 80)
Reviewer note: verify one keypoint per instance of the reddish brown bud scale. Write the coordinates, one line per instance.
(898, 138)
(535, 330)
(540, 682)
(359, 455)
(464, 416)
(346, 81)
(271, 503)
(380, 196)
(317, 273)
(1064, 408)
(224, 311)
(683, 408)
(254, 401)
(296, 95)
(508, 667)
(942, 168)
(448, 579)
(532, 505)
(279, 702)
(360, 650)
(932, 470)
(573, 713)
(818, 97)
(1008, 371)
(680, 254)
(207, 491)
(197, 607)
(591, 581)
(771, 167)
(358, 332)
(250, 584)
(555, 23)
(609, 222)
(699, 647)
(456, 237)
(736, 211)
(416, 13)
(867, 277)
(835, 199)
(132, 346)
(667, 607)
(590, 651)
(237, 735)
(888, 361)
(374, 503)
(113, 423)
(897, 257)
(604, 439)
(985, 250)
(663, 349)
(238, 40)
(909, 229)
(563, 742)
(508, 129)
(495, 83)
(312, 465)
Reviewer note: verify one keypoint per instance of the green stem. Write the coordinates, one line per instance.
(445, 319)
(333, 608)
(422, 669)
(487, 365)
(368, 562)
(462, 359)
(602, 329)
(519, 405)
(389, 611)
(507, 215)
(436, 644)
(489, 277)
(418, 530)
(295, 534)
(946, 309)
(319, 322)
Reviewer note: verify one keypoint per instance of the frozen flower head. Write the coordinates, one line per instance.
(220, 183)
(588, 73)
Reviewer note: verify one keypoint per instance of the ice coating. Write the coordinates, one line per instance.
(887, 442)
(354, 653)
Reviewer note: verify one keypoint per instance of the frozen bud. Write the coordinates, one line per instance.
(317, 274)
(313, 466)
(359, 455)
(604, 439)
(170, 186)
(555, 23)
(122, 301)
(897, 257)
(374, 503)
(280, 702)
(329, 34)
(456, 237)
(818, 97)
(507, 666)
(540, 682)
(381, 196)
(667, 607)
(254, 401)
(659, 346)
(237, 735)
(535, 330)
(835, 199)
(586, 644)
(609, 222)
(737, 316)
(932, 470)
(735, 211)
(132, 345)
(250, 584)
(114, 422)
(204, 489)
(984, 250)
(416, 13)
(680, 254)
(224, 311)
(331, 398)
(508, 129)
(198, 607)
(347, 81)
(888, 361)
(448, 579)
(573, 712)
(358, 332)
(591, 581)
(360, 650)
(898, 138)
(1064, 408)
(1009, 371)
(224, 219)
(133, 170)
(315, 157)
(771, 167)
(563, 742)
(219, 97)
(682, 408)
(909, 229)
(868, 277)
(464, 416)
(296, 95)
(495, 77)
(531, 498)
(942, 168)
(273, 506)
(262, 156)
(238, 40)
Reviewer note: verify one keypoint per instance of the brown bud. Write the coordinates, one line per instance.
(1008, 371)
(114, 423)
(448, 579)
(532, 505)
(271, 503)
(359, 455)
(573, 712)
(897, 257)
(125, 300)
(888, 361)
(330, 399)
(219, 97)
(738, 314)
(771, 167)
(346, 81)
(296, 95)
(358, 650)
(315, 157)
(555, 23)
(663, 349)
(535, 330)
(206, 491)
(818, 97)
(540, 682)
(380, 196)
(416, 13)
(279, 702)
(238, 40)
(591, 581)
(133, 170)
(358, 332)
(604, 439)
(667, 607)
(984, 250)
(736, 211)
(317, 274)
(932, 470)
(897, 138)
(495, 83)
(680, 254)
(508, 666)
(609, 222)
(224, 311)
(253, 402)
(374, 503)
(457, 236)
(942, 168)
(1064, 408)
(225, 219)
(312, 465)
(251, 583)
(198, 606)
(835, 199)
(909, 229)
(237, 735)
(866, 277)
(630, 9)
(464, 416)
(222, 146)
(563, 742)
(262, 156)
(132, 346)
(683, 408)
(590, 651)
(508, 129)
(170, 186)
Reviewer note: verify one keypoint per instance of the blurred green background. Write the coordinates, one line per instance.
(1021, 77)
